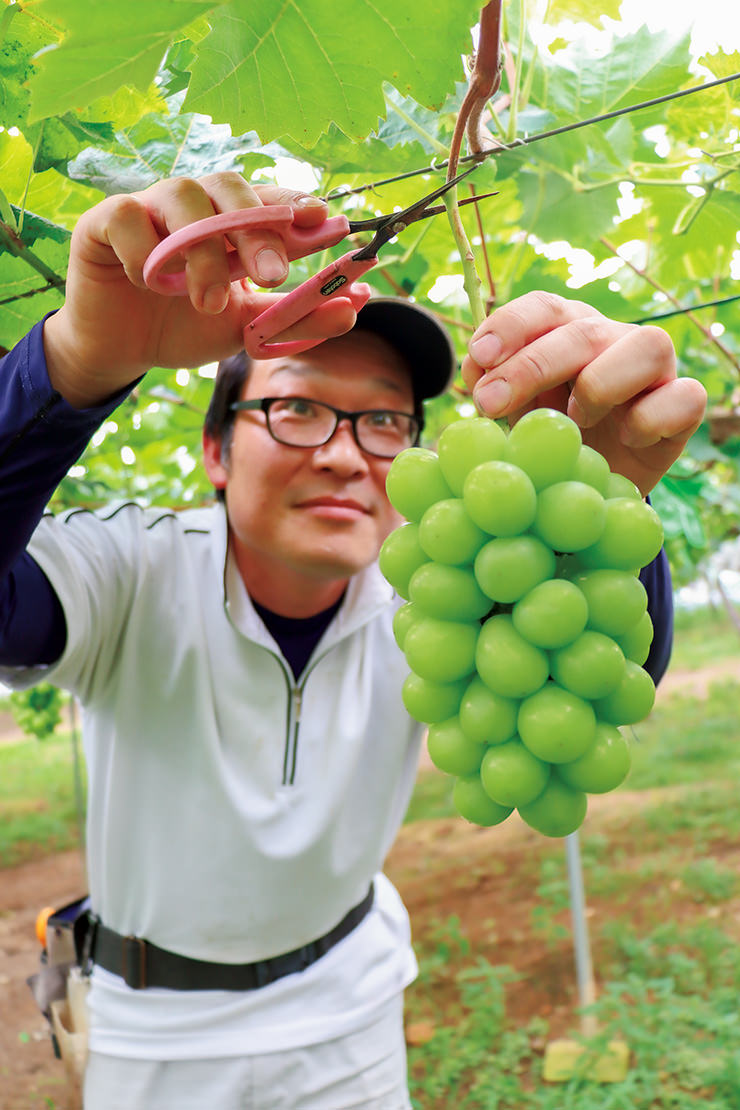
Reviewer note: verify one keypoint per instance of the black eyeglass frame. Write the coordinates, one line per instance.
(262, 404)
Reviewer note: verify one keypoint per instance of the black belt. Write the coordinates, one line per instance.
(142, 964)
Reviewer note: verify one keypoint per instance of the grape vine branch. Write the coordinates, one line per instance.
(485, 80)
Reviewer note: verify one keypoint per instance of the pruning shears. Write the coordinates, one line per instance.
(338, 278)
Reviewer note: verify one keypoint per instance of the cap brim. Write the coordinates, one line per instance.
(418, 337)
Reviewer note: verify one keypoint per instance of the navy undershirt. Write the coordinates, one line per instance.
(297, 636)
(41, 436)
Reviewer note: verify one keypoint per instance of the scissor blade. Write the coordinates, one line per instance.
(397, 221)
(409, 215)
(381, 221)
(439, 208)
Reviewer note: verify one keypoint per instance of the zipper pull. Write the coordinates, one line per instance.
(297, 703)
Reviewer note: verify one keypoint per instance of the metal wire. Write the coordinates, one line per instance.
(687, 308)
(528, 139)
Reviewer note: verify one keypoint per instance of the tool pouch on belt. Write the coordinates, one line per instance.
(60, 984)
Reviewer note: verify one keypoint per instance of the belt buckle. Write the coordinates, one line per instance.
(133, 962)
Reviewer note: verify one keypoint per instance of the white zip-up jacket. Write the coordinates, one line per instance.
(233, 812)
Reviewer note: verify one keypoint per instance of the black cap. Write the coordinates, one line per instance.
(418, 337)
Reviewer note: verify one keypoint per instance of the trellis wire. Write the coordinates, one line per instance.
(504, 147)
(687, 308)
(528, 139)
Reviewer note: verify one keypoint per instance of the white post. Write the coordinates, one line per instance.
(581, 946)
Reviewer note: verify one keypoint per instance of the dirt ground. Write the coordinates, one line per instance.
(440, 867)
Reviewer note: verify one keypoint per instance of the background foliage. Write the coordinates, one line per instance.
(638, 214)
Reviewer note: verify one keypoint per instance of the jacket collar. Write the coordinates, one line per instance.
(368, 592)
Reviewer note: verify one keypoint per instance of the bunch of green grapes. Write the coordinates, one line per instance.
(525, 625)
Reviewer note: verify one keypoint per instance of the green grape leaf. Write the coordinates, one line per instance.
(708, 240)
(408, 138)
(637, 67)
(23, 35)
(37, 227)
(676, 502)
(57, 140)
(582, 11)
(555, 209)
(104, 46)
(722, 64)
(289, 69)
(19, 309)
(161, 146)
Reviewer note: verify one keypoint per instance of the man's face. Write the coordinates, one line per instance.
(320, 513)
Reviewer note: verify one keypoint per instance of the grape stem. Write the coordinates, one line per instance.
(485, 79)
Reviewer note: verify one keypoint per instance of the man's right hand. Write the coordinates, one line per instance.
(112, 328)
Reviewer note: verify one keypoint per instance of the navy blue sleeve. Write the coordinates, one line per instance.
(41, 436)
(656, 578)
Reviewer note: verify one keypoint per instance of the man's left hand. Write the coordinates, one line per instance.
(617, 381)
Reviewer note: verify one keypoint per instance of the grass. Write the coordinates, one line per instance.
(668, 987)
(672, 995)
(37, 799)
(701, 637)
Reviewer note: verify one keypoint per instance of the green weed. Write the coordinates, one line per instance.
(706, 881)
(37, 799)
(702, 636)
(676, 1009)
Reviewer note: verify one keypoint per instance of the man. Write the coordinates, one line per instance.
(248, 754)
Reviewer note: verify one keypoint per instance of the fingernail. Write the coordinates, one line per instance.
(486, 349)
(494, 397)
(309, 201)
(215, 299)
(575, 412)
(270, 266)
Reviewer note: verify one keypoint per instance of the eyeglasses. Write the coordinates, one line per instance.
(300, 422)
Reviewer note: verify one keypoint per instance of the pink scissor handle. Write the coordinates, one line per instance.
(299, 241)
(336, 279)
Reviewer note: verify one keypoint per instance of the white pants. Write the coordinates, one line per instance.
(365, 1070)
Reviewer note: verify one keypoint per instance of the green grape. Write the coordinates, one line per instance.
(471, 802)
(632, 699)
(552, 614)
(508, 664)
(450, 593)
(603, 767)
(464, 445)
(592, 666)
(500, 498)
(636, 641)
(616, 599)
(511, 775)
(570, 516)
(619, 486)
(632, 536)
(447, 533)
(403, 618)
(486, 717)
(509, 567)
(558, 811)
(451, 751)
(545, 443)
(592, 468)
(400, 555)
(431, 702)
(556, 725)
(442, 651)
(414, 482)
